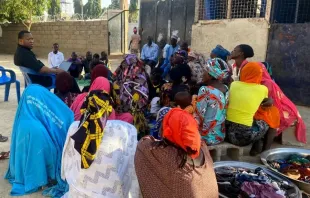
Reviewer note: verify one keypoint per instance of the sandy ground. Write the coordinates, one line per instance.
(8, 109)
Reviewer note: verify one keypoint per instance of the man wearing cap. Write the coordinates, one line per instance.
(171, 49)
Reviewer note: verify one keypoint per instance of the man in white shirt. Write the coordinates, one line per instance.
(55, 58)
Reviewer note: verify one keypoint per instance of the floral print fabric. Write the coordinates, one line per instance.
(211, 109)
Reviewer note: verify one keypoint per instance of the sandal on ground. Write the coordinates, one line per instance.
(3, 138)
(4, 155)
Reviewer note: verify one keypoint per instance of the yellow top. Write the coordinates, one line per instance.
(244, 101)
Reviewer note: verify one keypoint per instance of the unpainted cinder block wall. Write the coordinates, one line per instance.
(230, 33)
(78, 36)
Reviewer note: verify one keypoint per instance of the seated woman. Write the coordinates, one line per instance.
(288, 112)
(131, 91)
(211, 104)
(247, 100)
(99, 71)
(39, 133)
(101, 163)
(178, 166)
(102, 84)
(64, 83)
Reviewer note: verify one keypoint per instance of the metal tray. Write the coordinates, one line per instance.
(246, 165)
(284, 153)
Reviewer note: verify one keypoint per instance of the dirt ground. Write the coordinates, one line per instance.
(8, 109)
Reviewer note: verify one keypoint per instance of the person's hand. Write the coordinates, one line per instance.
(58, 71)
(267, 102)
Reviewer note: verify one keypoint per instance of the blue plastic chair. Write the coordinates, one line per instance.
(7, 81)
(25, 71)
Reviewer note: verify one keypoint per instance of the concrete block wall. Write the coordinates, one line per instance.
(78, 36)
(230, 33)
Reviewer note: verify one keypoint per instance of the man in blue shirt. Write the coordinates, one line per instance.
(149, 53)
(173, 48)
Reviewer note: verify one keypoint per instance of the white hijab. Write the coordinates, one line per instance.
(112, 174)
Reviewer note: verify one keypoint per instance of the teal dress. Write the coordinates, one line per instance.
(211, 110)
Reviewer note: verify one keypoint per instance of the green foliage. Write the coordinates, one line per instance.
(77, 6)
(54, 7)
(115, 4)
(92, 9)
(133, 11)
(21, 11)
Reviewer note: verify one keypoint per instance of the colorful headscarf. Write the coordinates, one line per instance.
(213, 67)
(252, 72)
(221, 52)
(180, 128)
(100, 83)
(96, 109)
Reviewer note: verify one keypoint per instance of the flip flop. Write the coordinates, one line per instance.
(3, 138)
(4, 155)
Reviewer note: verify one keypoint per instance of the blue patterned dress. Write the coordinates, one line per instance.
(211, 114)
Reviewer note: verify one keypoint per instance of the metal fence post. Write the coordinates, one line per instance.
(229, 3)
(296, 12)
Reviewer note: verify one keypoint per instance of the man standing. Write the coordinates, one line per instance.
(26, 58)
(134, 45)
(149, 53)
(55, 58)
(171, 49)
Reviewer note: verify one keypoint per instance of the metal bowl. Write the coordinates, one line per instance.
(245, 165)
(284, 153)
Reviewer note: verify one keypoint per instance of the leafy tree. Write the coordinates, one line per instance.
(22, 11)
(92, 9)
(115, 4)
(133, 11)
(54, 7)
(77, 6)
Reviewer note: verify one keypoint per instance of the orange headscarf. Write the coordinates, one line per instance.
(252, 72)
(180, 128)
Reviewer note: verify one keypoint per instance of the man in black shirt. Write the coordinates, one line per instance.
(26, 58)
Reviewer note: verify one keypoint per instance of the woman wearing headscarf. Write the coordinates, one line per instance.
(102, 84)
(64, 83)
(250, 114)
(178, 166)
(98, 157)
(211, 104)
(289, 114)
(131, 91)
(39, 133)
(99, 71)
(196, 62)
(220, 52)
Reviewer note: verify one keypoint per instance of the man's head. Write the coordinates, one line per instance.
(55, 48)
(25, 39)
(149, 40)
(74, 56)
(104, 55)
(89, 56)
(96, 58)
(135, 30)
(174, 40)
